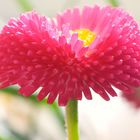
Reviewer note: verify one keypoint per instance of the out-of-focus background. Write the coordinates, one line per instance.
(26, 119)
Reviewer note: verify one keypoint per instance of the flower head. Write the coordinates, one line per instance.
(93, 48)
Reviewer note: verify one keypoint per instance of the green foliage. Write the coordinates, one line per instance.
(25, 5)
(114, 3)
(2, 138)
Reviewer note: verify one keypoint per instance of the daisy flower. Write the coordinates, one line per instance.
(97, 48)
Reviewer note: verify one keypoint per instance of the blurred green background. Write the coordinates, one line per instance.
(26, 119)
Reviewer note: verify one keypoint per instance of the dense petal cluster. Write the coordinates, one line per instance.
(133, 98)
(37, 52)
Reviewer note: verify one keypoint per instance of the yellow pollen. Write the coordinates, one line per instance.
(86, 36)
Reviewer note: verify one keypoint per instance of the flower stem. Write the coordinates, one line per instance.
(72, 120)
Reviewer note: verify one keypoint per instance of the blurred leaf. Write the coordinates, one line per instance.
(17, 136)
(2, 138)
(114, 3)
(13, 135)
(25, 5)
(54, 107)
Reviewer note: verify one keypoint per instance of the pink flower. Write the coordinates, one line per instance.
(93, 48)
(133, 98)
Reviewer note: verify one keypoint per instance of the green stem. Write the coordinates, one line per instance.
(114, 3)
(72, 120)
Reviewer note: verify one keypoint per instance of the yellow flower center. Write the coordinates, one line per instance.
(86, 36)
